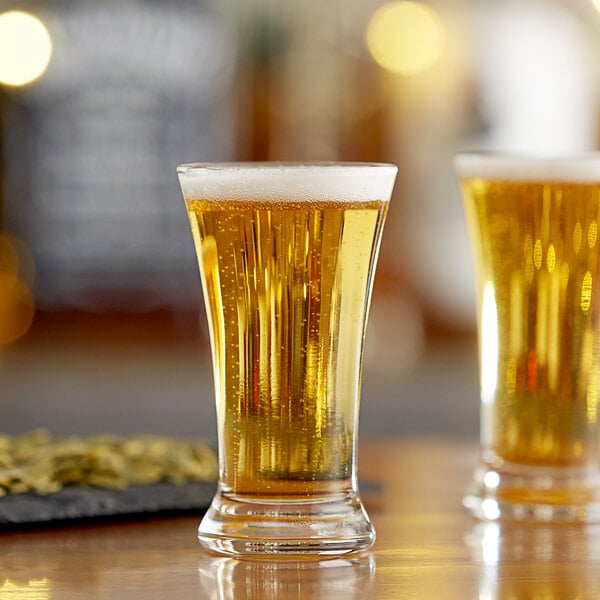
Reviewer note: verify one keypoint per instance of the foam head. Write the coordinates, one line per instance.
(500, 167)
(290, 182)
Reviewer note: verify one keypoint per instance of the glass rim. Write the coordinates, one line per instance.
(503, 166)
(282, 166)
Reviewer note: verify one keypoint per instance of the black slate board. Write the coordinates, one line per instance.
(80, 505)
(75, 506)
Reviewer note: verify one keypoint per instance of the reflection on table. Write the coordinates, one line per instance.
(229, 579)
(428, 547)
(536, 561)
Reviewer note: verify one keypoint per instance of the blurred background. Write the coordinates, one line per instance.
(101, 324)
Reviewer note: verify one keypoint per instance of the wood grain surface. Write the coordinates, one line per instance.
(427, 547)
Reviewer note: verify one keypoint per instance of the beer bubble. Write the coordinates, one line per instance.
(537, 254)
(551, 258)
(592, 234)
(577, 236)
(511, 376)
(528, 255)
(592, 397)
(586, 292)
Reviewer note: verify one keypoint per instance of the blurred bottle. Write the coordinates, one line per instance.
(312, 92)
(89, 148)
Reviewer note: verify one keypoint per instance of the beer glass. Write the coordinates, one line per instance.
(533, 226)
(287, 254)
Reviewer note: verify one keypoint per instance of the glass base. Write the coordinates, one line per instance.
(238, 526)
(533, 493)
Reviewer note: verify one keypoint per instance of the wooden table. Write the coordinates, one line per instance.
(427, 547)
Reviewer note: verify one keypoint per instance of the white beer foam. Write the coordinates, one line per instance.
(350, 182)
(498, 167)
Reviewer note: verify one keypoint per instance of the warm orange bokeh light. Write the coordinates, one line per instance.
(9, 257)
(16, 278)
(16, 308)
(16, 258)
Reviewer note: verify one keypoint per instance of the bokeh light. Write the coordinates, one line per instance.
(25, 48)
(16, 276)
(16, 258)
(596, 4)
(406, 37)
(16, 308)
(9, 257)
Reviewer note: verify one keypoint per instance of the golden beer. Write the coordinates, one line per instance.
(285, 285)
(535, 244)
(287, 255)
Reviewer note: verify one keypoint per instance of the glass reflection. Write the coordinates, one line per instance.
(536, 561)
(34, 589)
(228, 579)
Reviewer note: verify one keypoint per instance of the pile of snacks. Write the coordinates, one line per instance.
(36, 462)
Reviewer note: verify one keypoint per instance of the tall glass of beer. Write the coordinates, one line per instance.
(533, 226)
(287, 254)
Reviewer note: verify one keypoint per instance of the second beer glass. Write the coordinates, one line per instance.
(534, 234)
(287, 254)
